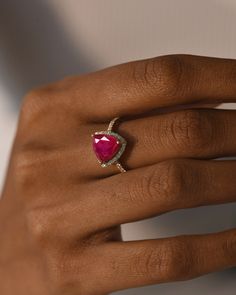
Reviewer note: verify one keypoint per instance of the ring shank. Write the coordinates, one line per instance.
(120, 167)
(110, 127)
(112, 123)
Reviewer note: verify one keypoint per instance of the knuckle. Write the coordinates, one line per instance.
(191, 129)
(147, 188)
(32, 102)
(38, 101)
(151, 263)
(167, 181)
(24, 170)
(173, 181)
(147, 264)
(30, 169)
(171, 260)
(150, 185)
(177, 260)
(162, 74)
(42, 226)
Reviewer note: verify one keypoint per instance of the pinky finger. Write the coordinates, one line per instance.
(125, 265)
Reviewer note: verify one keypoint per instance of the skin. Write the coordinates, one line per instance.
(60, 212)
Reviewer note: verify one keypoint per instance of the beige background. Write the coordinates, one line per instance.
(44, 40)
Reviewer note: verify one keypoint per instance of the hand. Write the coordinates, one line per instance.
(61, 212)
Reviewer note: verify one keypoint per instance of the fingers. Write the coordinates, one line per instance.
(167, 186)
(135, 264)
(140, 86)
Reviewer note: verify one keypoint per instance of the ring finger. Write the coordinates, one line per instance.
(197, 134)
(134, 264)
(149, 191)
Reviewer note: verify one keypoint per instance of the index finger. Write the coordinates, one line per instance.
(145, 85)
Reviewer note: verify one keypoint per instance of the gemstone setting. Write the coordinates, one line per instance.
(108, 147)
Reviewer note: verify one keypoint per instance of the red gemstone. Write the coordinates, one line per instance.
(105, 146)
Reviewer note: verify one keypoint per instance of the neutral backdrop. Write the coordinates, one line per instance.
(45, 40)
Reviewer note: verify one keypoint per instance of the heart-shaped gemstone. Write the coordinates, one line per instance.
(105, 146)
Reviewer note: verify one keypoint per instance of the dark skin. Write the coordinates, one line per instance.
(60, 214)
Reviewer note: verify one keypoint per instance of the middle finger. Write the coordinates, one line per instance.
(161, 188)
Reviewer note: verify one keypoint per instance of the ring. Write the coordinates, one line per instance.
(109, 146)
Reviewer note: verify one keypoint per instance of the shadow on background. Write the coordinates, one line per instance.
(34, 48)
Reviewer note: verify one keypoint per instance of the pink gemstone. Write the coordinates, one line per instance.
(105, 146)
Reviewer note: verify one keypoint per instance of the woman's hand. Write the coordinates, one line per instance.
(61, 212)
